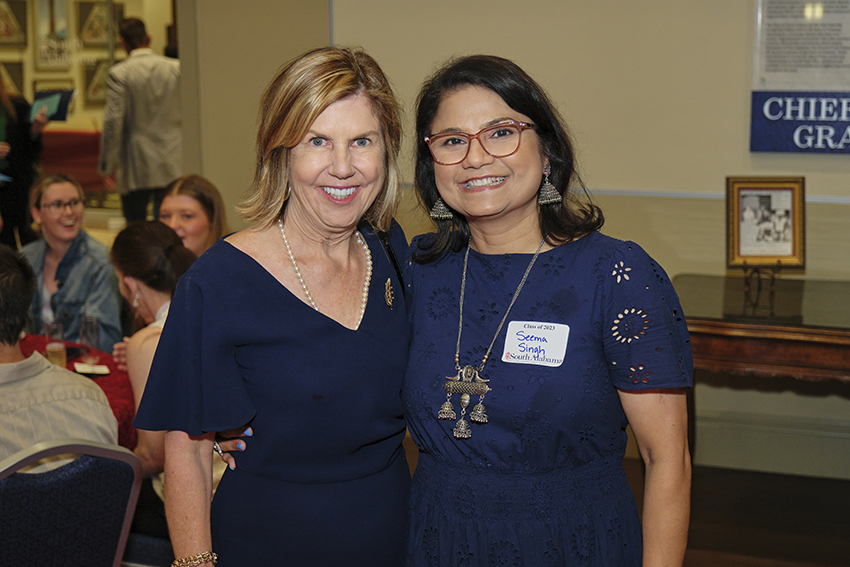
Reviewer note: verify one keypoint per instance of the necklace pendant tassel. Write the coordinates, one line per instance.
(447, 411)
(462, 429)
(478, 414)
(468, 381)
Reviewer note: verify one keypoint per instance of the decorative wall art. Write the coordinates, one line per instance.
(52, 49)
(12, 74)
(92, 23)
(13, 24)
(94, 83)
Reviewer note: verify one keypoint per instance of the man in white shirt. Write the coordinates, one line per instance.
(38, 400)
(141, 146)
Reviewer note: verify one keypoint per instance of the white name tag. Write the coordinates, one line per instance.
(534, 342)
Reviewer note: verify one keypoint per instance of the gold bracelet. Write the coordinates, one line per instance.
(199, 559)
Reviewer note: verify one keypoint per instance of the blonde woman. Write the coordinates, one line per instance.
(298, 327)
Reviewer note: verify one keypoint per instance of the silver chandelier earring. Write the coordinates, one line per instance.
(136, 300)
(440, 211)
(548, 195)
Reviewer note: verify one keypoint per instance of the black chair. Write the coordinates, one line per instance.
(76, 515)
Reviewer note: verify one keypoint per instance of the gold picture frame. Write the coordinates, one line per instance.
(92, 23)
(94, 89)
(13, 24)
(52, 50)
(765, 222)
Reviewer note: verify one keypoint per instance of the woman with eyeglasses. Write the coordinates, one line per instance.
(75, 278)
(535, 341)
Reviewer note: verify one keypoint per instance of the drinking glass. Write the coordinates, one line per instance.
(90, 337)
(56, 344)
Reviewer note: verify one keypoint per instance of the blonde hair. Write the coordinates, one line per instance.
(298, 94)
(206, 194)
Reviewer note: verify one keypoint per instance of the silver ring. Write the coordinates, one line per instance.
(217, 449)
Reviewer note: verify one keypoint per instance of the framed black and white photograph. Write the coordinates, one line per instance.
(765, 222)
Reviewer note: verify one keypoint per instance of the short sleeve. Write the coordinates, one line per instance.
(194, 383)
(645, 335)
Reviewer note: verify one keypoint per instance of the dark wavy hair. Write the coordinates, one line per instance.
(152, 253)
(17, 288)
(559, 223)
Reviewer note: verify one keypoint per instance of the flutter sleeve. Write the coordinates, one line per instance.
(644, 332)
(195, 384)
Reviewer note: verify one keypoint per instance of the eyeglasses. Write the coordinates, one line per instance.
(499, 141)
(60, 206)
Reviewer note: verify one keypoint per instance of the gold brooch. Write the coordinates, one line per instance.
(388, 293)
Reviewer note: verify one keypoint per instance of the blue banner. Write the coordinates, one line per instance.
(800, 122)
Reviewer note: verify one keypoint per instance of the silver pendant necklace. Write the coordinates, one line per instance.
(365, 296)
(468, 381)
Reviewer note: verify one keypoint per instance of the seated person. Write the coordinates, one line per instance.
(38, 400)
(73, 271)
(192, 206)
(149, 258)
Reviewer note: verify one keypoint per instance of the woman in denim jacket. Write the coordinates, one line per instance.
(75, 278)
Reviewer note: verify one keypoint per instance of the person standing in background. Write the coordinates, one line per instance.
(141, 146)
(20, 150)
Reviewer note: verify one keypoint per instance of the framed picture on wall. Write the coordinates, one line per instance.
(12, 74)
(765, 222)
(13, 24)
(94, 83)
(92, 23)
(52, 51)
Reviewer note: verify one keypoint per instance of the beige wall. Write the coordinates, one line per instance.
(229, 52)
(657, 95)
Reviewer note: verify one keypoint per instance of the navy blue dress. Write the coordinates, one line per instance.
(324, 480)
(542, 482)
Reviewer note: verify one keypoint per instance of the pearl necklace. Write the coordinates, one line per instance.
(304, 285)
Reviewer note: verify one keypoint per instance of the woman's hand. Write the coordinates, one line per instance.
(4, 149)
(119, 354)
(229, 441)
(39, 122)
